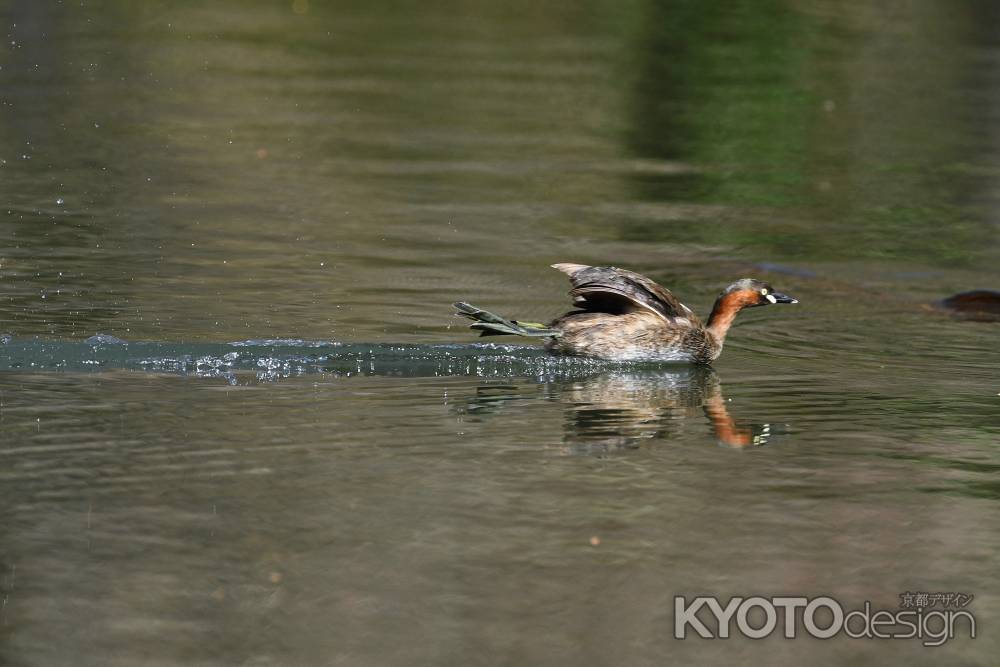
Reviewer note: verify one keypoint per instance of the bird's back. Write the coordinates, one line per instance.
(625, 316)
(635, 336)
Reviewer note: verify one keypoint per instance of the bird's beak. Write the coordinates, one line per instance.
(778, 297)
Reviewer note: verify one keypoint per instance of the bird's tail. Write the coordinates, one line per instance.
(493, 325)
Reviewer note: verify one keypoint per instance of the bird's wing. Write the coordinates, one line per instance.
(608, 289)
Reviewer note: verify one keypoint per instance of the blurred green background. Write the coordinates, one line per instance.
(183, 170)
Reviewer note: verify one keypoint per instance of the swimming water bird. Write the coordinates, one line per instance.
(625, 316)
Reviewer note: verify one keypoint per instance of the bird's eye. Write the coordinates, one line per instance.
(764, 291)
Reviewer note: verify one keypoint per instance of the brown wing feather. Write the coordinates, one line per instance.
(609, 289)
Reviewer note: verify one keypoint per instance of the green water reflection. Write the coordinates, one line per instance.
(243, 167)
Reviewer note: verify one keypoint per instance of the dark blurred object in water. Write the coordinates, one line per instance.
(981, 305)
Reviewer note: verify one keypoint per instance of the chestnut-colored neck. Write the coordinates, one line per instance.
(724, 312)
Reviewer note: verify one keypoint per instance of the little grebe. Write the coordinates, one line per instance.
(624, 316)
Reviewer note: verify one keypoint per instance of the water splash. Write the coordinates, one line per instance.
(273, 359)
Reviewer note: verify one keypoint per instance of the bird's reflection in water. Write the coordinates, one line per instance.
(622, 410)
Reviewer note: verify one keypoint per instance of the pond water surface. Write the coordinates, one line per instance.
(300, 457)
